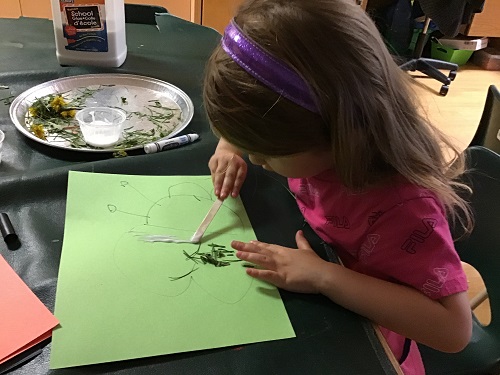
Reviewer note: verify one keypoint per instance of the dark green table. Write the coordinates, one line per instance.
(33, 181)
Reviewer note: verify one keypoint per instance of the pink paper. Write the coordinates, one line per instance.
(24, 319)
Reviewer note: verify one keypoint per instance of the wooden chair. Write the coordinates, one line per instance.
(481, 250)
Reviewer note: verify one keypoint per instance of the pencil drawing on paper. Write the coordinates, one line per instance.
(171, 269)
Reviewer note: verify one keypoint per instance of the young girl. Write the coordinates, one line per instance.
(308, 90)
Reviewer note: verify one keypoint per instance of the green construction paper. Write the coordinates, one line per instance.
(117, 297)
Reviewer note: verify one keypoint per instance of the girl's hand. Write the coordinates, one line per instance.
(297, 270)
(228, 170)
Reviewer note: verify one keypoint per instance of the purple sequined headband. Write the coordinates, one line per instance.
(268, 69)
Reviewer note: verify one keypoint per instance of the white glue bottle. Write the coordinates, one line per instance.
(90, 32)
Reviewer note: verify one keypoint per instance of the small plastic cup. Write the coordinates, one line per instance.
(2, 137)
(101, 126)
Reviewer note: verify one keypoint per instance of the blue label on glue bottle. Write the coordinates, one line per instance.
(84, 26)
(90, 32)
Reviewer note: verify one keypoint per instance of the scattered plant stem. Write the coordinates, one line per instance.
(187, 274)
(214, 257)
(7, 100)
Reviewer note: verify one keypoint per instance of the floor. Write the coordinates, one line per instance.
(457, 114)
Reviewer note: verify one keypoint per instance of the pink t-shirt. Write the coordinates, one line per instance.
(397, 233)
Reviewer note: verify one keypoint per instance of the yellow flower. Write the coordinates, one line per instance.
(69, 113)
(33, 111)
(38, 131)
(120, 154)
(58, 103)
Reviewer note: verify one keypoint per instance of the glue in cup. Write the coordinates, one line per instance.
(101, 126)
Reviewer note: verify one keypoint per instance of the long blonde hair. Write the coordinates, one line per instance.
(368, 115)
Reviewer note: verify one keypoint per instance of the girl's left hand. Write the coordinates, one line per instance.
(296, 270)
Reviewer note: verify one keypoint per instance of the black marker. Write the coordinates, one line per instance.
(8, 233)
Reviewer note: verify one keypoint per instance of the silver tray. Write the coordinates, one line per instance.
(129, 92)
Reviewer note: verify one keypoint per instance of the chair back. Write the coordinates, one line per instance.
(481, 249)
(488, 131)
(187, 39)
(143, 14)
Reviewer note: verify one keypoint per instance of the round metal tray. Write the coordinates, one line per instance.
(133, 93)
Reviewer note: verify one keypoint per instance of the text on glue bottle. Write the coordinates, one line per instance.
(90, 32)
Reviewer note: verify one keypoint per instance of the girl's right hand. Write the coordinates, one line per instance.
(228, 170)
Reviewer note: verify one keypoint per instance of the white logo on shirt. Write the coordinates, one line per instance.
(306, 188)
(433, 286)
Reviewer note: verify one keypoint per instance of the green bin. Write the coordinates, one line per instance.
(444, 53)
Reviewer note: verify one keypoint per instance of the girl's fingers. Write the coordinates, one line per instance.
(218, 181)
(228, 172)
(254, 254)
(217, 178)
(302, 243)
(238, 181)
(250, 247)
(265, 275)
(221, 176)
(229, 178)
(258, 259)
